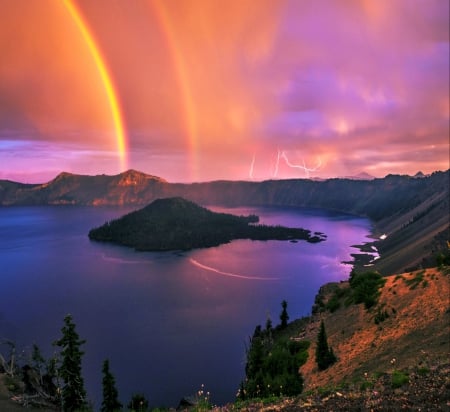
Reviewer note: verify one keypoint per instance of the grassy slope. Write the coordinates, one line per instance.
(417, 333)
(414, 340)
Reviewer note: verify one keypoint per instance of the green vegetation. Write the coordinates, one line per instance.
(138, 403)
(325, 356)
(178, 224)
(422, 371)
(416, 280)
(73, 392)
(365, 287)
(339, 293)
(381, 316)
(110, 395)
(443, 257)
(399, 378)
(273, 362)
(331, 297)
(334, 303)
(284, 317)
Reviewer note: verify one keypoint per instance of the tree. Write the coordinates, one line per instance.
(110, 395)
(9, 366)
(37, 361)
(284, 317)
(73, 392)
(268, 325)
(365, 287)
(324, 354)
(138, 403)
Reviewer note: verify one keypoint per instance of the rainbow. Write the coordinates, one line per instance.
(181, 72)
(105, 76)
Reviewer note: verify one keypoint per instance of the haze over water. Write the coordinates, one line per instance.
(168, 322)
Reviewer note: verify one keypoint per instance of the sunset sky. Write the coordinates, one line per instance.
(197, 90)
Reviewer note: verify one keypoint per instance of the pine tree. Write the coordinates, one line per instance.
(73, 392)
(268, 325)
(324, 354)
(138, 403)
(284, 317)
(110, 395)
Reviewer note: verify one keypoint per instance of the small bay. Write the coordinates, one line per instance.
(167, 321)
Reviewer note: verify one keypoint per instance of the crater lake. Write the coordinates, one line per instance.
(167, 321)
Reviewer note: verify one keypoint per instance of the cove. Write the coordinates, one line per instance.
(168, 322)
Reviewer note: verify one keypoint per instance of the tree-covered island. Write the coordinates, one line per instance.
(179, 224)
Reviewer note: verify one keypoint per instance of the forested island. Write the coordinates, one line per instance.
(179, 224)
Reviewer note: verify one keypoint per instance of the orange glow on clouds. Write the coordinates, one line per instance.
(202, 89)
(106, 79)
(190, 111)
(220, 106)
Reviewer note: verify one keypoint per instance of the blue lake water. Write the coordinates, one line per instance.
(168, 322)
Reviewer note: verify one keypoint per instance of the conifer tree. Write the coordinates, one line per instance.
(37, 361)
(73, 392)
(138, 403)
(324, 354)
(110, 395)
(268, 325)
(284, 317)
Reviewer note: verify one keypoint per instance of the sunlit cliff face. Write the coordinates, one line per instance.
(196, 90)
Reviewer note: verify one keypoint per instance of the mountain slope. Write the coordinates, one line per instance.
(415, 333)
(399, 363)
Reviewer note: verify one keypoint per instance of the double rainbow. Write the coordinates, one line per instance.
(105, 76)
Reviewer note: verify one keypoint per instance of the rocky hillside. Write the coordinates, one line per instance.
(399, 361)
(413, 334)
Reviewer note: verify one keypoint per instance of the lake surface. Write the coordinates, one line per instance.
(168, 322)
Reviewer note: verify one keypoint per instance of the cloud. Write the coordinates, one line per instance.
(360, 85)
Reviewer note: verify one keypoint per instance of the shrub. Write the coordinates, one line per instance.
(423, 371)
(381, 316)
(333, 304)
(365, 287)
(399, 378)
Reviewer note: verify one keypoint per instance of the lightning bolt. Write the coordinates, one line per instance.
(252, 165)
(282, 155)
(277, 163)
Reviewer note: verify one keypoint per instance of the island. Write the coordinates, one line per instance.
(179, 224)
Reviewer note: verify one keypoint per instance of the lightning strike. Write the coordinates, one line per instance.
(282, 155)
(252, 165)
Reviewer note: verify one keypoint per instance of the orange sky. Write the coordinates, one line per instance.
(194, 90)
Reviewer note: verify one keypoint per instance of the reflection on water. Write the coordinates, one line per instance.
(168, 322)
(232, 275)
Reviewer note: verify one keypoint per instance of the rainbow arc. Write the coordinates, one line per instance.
(121, 139)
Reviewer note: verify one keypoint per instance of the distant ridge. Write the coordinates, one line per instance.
(412, 212)
(360, 176)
